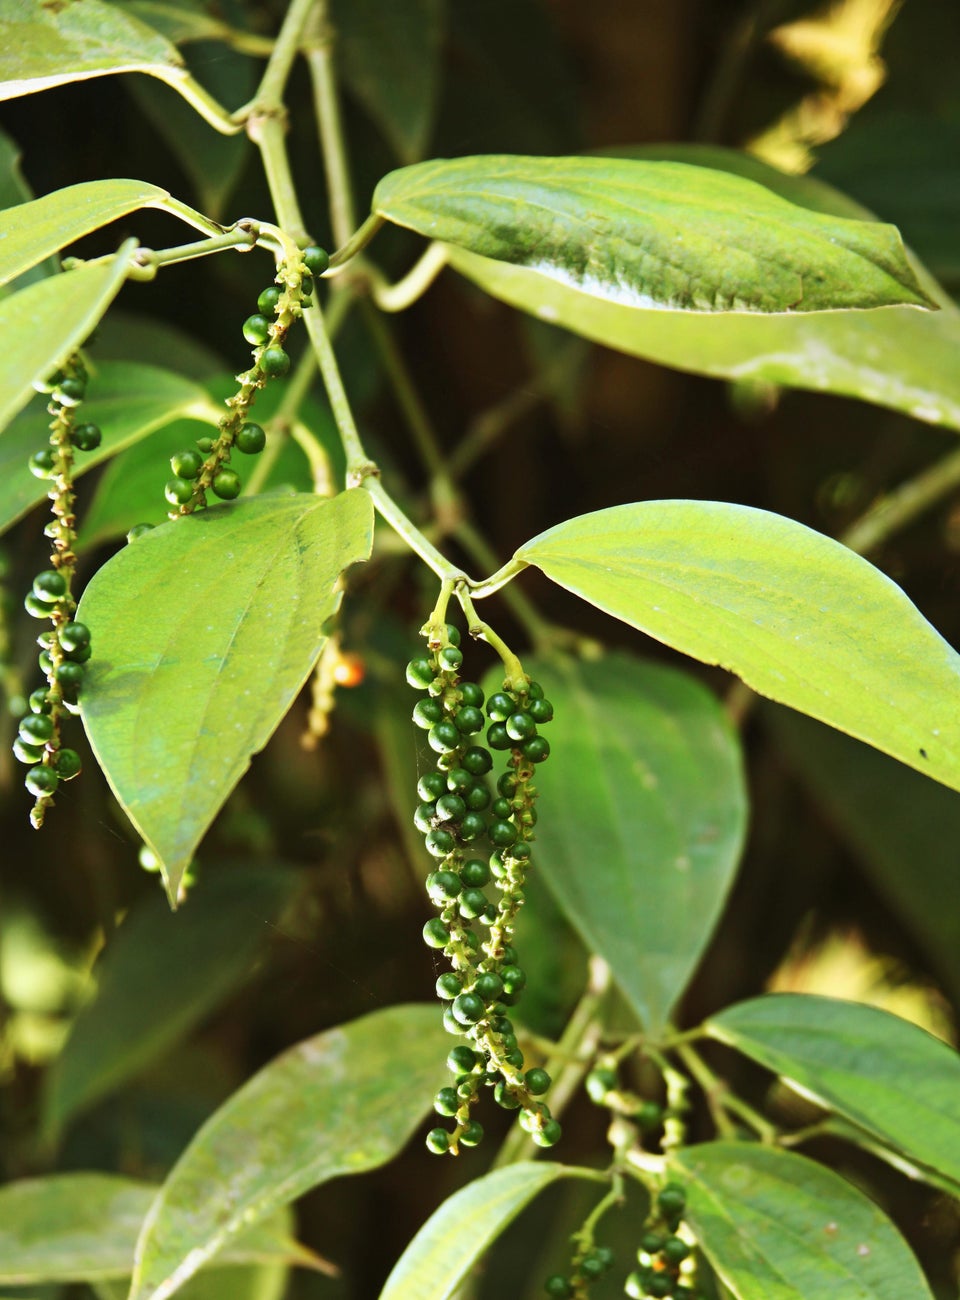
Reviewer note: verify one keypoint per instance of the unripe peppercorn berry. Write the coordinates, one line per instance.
(439, 843)
(461, 1060)
(450, 658)
(432, 785)
(502, 833)
(468, 1008)
(67, 764)
(444, 883)
(427, 713)
(256, 329)
(557, 1287)
(316, 259)
(446, 1102)
(250, 439)
(474, 874)
(497, 737)
(549, 1135)
(450, 808)
(449, 986)
(420, 673)
(472, 1134)
(471, 694)
(70, 675)
(537, 1081)
(477, 761)
(41, 780)
(178, 491)
(226, 485)
(438, 1141)
(443, 737)
(471, 903)
(274, 362)
(50, 586)
(500, 706)
(74, 636)
(672, 1200)
(541, 711)
(267, 302)
(435, 933)
(186, 464)
(477, 797)
(675, 1250)
(86, 437)
(469, 720)
(520, 726)
(36, 728)
(459, 780)
(471, 827)
(42, 464)
(536, 750)
(25, 753)
(488, 986)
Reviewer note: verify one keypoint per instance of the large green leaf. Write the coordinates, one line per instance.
(127, 400)
(442, 1253)
(894, 1081)
(35, 230)
(643, 816)
(652, 234)
(799, 617)
(83, 1227)
(44, 323)
(903, 829)
(897, 357)
(43, 45)
(777, 1226)
(159, 976)
(205, 630)
(340, 1103)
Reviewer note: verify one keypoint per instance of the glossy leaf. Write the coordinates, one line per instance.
(897, 357)
(892, 1080)
(442, 1254)
(777, 1226)
(390, 55)
(340, 1103)
(903, 829)
(178, 20)
(128, 401)
(652, 234)
(158, 977)
(43, 45)
(35, 230)
(206, 628)
(83, 1227)
(15, 191)
(44, 323)
(643, 814)
(799, 617)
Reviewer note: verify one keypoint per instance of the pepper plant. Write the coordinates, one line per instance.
(259, 528)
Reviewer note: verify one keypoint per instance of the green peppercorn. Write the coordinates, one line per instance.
(41, 780)
(660, 1284)
(186, 464)
(471, 827)
(500, 706)
(474, 874)
(50, 586)
(497, 737)
(477, 798)
(427, 713)
(507, 785)
(250, 439)
(439, 843)
(450, 1022)
(36, 728)
(513, 978)
(268, 299)
(70, 675)
(459, 780)
(501, 808)
(549, 1135)
(468, 720)
(39, 701)
(316, 259)
(435, 933)
(537, 1081)
(675, 1250)
(471, 903)
(461, 1060)
(672, 1200)
(649, 1116)
(438, 1141)
(443, 737)
(520, 726)
(591, 1267)
(178, 491)
(67, 764)
(444, 883)
(446, 1102)
(557, 1287)
(477, 761)
(450, 658)
(536, 750)
(468, 1008)
(74, 636)
(70, 390)
(256, 329)
(36, 608)
(488, 986)
(205, 445)
(651, 1243)
(505, 1098)
(226, 485)
(502, 833)
(449, 986)
(541, 711)
(471, 694)
(420, 673)
(274, 362)
(43, 464)
(86, 437)
(432, 785)
(25, 753)
(472, 1134)
(450, 808)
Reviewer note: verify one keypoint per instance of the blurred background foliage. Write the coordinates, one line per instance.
(122, 1027)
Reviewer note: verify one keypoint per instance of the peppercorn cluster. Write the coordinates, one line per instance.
(65, 645)
(667, 1266)
(586, 1267)
(481, 844)
(205, 467)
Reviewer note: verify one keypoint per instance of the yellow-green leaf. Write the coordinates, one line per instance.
(799, 617)
(660, 235)
(205, 629)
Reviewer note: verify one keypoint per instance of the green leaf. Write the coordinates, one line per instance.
(799, 617)
(390, 55)
(443, 1253)
(43, 45)
(83, 1227)
(892, 1080)
(898, 357)
(44, 323)
(652, 234)
(128, 401)
(777, 1226)
(903, 829)
(340, 1103)
(180, 21)
(205, 630)
(14, 191)
(158, 977)
(643, 816)
(35, 230)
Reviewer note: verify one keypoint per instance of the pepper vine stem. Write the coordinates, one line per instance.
(357, 241)
(318, 43)
(269, 96)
